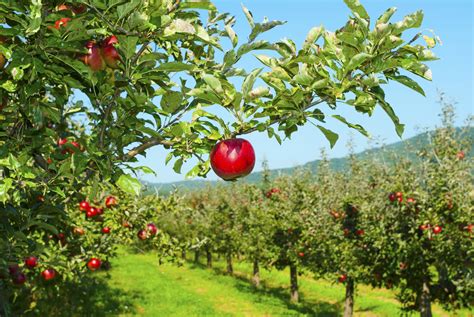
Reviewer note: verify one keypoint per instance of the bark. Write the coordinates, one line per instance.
(197, 253)
(349, 302)
(425, 301)
(256, 273)
(230, 268)
(209, 257)
(294, 283)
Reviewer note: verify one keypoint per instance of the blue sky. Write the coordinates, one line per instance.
(452, 74)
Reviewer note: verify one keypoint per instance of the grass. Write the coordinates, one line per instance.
(137, 286)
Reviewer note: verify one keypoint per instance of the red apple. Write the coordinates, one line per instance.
(110, 201)
(19, 279)
(151, 228)
(342, 278)
(84, 205)
(460, 155)
(346, 232)
(403, 266)
(94, 264)
(40, 198)
(100, 211)
(106, 230)
(301, 254)
(31, 262)
(437, 229)
(424, 227)
(62, 141)
(232, 158)
(93, 58)
(142, 235)
(411, 200)
(392, 197)
(360, 232)
(92, 212)
(109, 52)
(469, 228)
(48, 274)
(61, 22)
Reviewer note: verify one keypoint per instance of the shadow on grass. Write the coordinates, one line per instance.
(282, 294)
(91, 297)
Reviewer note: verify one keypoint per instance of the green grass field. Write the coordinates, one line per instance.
(137, 285)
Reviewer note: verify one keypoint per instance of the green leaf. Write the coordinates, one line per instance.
(177, 165)
(125, 9)
(413, 20)
(249, 16)
(357, 127)
(128, 45)
(214, 83)
(356, 7)
(407, 81)
(313, 35)
(385, 17)
(179, 26)
(258, 45)
(129, 184)
(175, 67)
(232, 35)
(35, 17)
(248, 83)
(380, 95)
(5, 186)
(356, 61)
(331, 136)
(263, 27)
(171, 101)
(198, 4)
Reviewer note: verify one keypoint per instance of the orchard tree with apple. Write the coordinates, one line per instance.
(116, 79)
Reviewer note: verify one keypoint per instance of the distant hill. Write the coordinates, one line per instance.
(406, 148)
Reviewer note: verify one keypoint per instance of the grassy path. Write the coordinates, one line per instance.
(143, 288)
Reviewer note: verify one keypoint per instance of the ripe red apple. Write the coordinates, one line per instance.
(94, 264)
(342, 278)
(19, 279)
(100, 211)
(92, 212)
(62, 141)
(460, 155)
(48, 274)
(424, 227)
(40, 198)
(151, 228)
(142, 235)
(126, 224)
(84, 205)
(437, 229)
(360, 232)
(392, 197)
(106, 230)
(301, 254)
(411, 200)
(335, 214)
(93, 58)
(61, 22)
(110, 201)
(110, 53)
(469, 228)
(232, 158)
(403, 266)
(49, 160)
(272, 191)
(31, 262)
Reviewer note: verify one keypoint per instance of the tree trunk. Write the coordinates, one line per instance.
(425, 301)
(256, 273)
(294, 283)
(196, 256)
(349, 302)
(209, 258)
(230, 268)
(183, 254)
